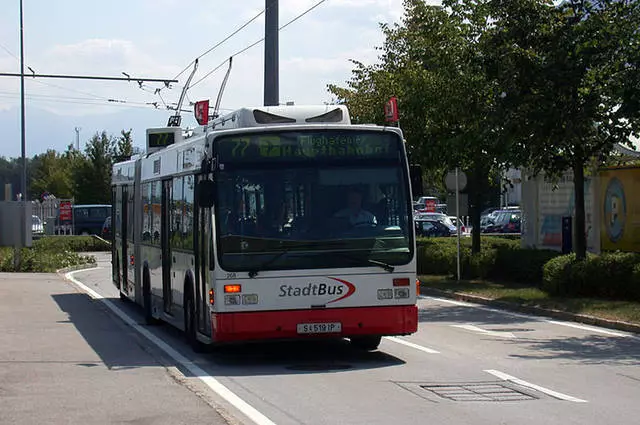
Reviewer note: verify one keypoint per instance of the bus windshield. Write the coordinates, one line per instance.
(333, 205)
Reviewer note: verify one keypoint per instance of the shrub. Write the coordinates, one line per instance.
(71, 243)
(610, 275)
(42, 259)
(499, 258)
(556, 272)
(521, 264)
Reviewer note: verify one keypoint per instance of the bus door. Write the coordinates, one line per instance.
(124, 260)
(165, 223)
(202, 245)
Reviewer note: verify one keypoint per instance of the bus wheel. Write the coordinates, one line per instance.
(366, 343)
(190, 328)
(146, 300)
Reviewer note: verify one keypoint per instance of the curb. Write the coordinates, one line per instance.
(538, 311)
(66, 270)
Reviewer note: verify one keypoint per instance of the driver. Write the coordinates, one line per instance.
(354, 212)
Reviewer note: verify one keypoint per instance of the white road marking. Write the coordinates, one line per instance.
(555, 394)
(411, 344)
(210, 381)
(533, 318)
(485, 331)
(590, 328)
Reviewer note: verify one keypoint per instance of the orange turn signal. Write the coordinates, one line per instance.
(232, 289)
(211, 298)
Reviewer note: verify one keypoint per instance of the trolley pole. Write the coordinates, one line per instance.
(271, 55)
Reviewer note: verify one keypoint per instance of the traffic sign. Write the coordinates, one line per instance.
(450, 181)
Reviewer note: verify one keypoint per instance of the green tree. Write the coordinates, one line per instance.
(52, 174)
(434, 61)
(92, 171)
(570, 78)
(124, 146)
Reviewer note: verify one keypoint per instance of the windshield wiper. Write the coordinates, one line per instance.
(254, 272)
(387, 267)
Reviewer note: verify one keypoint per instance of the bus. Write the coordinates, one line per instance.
(236, 231)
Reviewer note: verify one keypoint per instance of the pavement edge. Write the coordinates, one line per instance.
(538, 311)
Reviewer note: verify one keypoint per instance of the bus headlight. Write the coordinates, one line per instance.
(232, 299)
(250, 299)
(385, 294)
(401, 292)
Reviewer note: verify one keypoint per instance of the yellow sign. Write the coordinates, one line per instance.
(620, 209)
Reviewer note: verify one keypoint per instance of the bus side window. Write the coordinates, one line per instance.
(177, 207)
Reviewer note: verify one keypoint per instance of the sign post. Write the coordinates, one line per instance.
(457, 181)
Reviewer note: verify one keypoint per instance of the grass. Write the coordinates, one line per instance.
(626, 311)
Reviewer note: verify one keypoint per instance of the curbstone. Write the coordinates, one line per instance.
(66, 270)
(537, 311)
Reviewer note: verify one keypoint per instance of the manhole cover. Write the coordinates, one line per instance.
(315, 367)
(478, 392)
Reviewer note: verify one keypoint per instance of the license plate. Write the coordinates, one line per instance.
(319, 328)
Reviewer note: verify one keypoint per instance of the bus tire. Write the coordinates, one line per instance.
(190, 327)
(366, 343)
(146, 299)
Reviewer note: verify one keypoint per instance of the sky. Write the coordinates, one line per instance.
(158, 39)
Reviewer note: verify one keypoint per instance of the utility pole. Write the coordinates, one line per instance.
(78, 138)
(23, 179)
(271, 55)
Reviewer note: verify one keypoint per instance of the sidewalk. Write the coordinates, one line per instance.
(65, 360)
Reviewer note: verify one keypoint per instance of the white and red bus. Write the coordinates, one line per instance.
(248, 228)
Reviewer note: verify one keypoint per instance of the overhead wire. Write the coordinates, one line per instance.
(257, 42)
(243, 26)
(91, 95)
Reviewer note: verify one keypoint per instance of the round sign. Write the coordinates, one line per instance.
(615, 210)
(450, 181)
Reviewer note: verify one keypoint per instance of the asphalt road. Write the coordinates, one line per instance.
(466, 365)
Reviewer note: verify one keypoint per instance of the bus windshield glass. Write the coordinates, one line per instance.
(312, 199)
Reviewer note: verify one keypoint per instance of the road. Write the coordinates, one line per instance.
(466, 364)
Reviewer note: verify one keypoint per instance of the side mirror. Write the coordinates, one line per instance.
(205, 190)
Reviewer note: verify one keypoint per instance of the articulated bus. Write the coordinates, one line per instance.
(267, 223)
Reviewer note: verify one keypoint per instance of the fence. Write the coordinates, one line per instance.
(48, 210)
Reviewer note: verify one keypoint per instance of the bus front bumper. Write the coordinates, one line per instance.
(265, 325)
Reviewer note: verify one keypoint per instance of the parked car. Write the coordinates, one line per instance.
(431, 215)
(434, 228)
(504, 221)
(106, 229)
(455, 220)
(88, 219)
(37, 226)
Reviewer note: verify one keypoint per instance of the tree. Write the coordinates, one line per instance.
(52, 174)
(124, 146)
(435, 63)
(572, 88)
(92, 172)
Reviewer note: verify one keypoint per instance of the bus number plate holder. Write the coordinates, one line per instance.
(319, 328)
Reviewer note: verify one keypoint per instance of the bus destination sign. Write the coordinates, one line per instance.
(298, 145)
(161, 140)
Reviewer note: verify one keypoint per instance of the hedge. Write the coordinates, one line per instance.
(72, 243)
(499, 258)
(610, 275)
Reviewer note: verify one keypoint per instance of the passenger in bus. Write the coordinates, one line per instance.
(356, 215)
